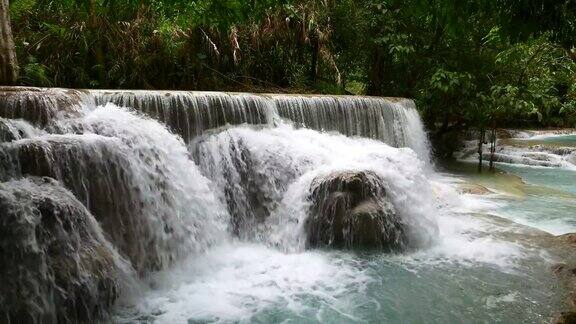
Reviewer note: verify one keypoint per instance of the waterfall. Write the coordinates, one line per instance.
(40, 106)
(394, 121)
(162, 175)
(269, 172)
(391, 120)
(132, 174)
(189, 114)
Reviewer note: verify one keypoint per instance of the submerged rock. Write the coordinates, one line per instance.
(56, 265)
(473, 189)
(352, 210)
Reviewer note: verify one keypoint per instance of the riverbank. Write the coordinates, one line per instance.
(535, 183)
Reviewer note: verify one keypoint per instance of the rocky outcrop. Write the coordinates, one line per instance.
(39, 106)
(352, 210)
(564, 318)
(104, 179)
(566, 273)
(244, 184)
(56, 265)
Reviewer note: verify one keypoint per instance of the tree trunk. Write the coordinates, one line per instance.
(8, 63)
(314, 43)
(492, 147)
(480, 143)
(376, 72)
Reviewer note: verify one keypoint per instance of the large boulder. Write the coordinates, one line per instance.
(352, 210)
(56, 265)
(99, 172)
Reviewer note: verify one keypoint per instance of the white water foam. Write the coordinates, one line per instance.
(233, 283)
(161, 159)
(236, 281)
(289, 159)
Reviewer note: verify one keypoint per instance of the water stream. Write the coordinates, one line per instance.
(206, 197)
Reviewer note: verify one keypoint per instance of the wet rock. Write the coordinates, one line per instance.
(565, 318)
(15, 129)
(6, 132)
(246, 195)
(253, 183)
(352, 210)
(100, 174)
(57, 266)
(569, 238)
(565, 245)
(474, 189)
(39, 106)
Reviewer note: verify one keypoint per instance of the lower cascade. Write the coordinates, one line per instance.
(143, 206)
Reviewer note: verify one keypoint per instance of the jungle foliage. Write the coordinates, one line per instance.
(482, 64)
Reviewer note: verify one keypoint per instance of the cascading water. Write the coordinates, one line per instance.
(546, 160)
(223, 206)
(270, 172)
(393, 121)
(132, 174)
(40, 106)
(189, 114)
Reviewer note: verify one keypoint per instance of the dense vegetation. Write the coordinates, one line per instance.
(481, 64)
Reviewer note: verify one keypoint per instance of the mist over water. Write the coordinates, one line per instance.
(206, 197)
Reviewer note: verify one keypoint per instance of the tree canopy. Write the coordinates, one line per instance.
(467, 63)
